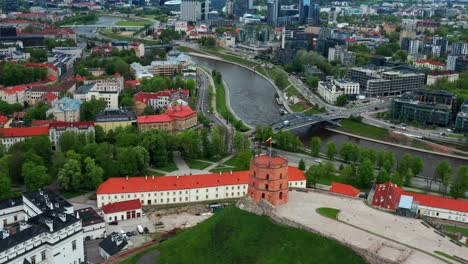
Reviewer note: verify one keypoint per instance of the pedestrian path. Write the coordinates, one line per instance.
(216, 164)
(179, 161)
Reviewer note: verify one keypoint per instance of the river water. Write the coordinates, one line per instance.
(253, 100)
(430, 160)
(90, 31)
(252, 97)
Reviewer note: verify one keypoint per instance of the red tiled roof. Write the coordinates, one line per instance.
(49, 96)
(387, 195)
(14, 89)
(121, 206)
(144, 96)
(132, 82)
(64, 125)
(154, 119)
(150, 184)
(80, 78)
(180, 111)
(41, 122)
(432, 62)
(439, 202)
(441, 73)
(23, 131)
(344, 189)
(3, 120)
(40, 65)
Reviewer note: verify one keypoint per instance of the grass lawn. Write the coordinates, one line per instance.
(71, 194)
(170, 167)
(328, 212)
(464, 231)
(363, 129)
(109, 34)
(292, 91)
(231, 162)
(298, 107)
(151, 172)
(196, 164)
(218, 52)
(449, 257)
(236, 236)
(133, 23)
(312, 111)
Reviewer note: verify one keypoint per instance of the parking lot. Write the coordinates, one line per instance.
(131, 226)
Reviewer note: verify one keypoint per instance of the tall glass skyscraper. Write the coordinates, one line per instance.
(309, 12)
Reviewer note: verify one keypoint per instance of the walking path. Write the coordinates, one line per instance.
(216, 164)
(180, 162)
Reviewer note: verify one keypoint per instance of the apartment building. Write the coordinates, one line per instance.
(176, 118)
(56, 129)
(13, 95)
(66, 109)
(10, 136)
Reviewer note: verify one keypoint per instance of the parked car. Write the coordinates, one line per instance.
(318, 160)
(161, 223)
(146, 230)
(114, 223)
(140, 229)
(129, 234)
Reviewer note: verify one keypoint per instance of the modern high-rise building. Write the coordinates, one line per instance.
(9, 5)
(229, 8)
(459, 48)
(439, 46)
(411, 45)
(242, 6)
(273, 12)
(309, 12)
(193, 10)
(408, 29)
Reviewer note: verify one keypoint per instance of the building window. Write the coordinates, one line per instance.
(227, 194)
(196, 198)
(196, 191)
(43, 255)
(162, 200)
(207, 197)
(268, 176)
(266, 186)
(74, 245)
(33, 259)
(281, 175)
(186, 198)
(16, 218)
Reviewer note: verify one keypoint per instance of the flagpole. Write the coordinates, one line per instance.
(270, 148)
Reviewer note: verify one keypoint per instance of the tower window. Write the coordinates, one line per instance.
(263, 195)
(266, 186)
(268, 176)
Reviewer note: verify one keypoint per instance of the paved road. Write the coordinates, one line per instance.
(203, 103)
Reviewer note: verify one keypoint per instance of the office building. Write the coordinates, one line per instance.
(242, 6)
(408, 29)
(273, 12)
(40, 227)
(340, 53)
(332, 89)
(427, 107)
(411, 45)
(313, 18)
(461, 64)
(439, 46)
(461, 121)
(459, 48)
(194, 10)
(385, 83)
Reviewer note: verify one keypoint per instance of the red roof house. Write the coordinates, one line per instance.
(23, 131)
(344, 189)
(121, 206)
(387, 196)
(3, 120)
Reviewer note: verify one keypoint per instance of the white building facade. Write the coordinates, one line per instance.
(331, 90)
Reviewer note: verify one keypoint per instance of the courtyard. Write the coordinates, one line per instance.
(372, 230)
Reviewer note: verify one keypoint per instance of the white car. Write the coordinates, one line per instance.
(318, 160)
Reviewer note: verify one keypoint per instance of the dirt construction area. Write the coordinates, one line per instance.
(182, 217)
(382, 233)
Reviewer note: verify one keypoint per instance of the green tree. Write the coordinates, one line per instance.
(301, 165)
(93, 175)
(417, 165)
(348, 174)
(389, 161)
(240, 141)
(457, 190)
(263, 133)
(329, 170)
(243, 160)
(70, 177)
(35, 176)
(315, 146)
(342, 100)
(5, 186)
(463, 176)
(313, 174)
(405, 164)
(91, 108)
(408, 177)
(313, 81)
(331, 150)
(397, 178)
(443, 172)
(383, 176)
(366, 173)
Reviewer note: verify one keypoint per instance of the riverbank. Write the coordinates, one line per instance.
(109, 34)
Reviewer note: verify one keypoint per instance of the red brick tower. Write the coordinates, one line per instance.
(269, 179)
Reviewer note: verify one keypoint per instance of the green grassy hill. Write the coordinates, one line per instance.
(236, 236)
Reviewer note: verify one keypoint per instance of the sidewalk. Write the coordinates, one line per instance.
(216, 164)
(180, 162)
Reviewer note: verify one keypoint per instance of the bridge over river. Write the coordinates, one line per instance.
(298, 120)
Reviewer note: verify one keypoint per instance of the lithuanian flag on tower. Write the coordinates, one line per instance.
(268, 141)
